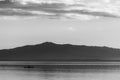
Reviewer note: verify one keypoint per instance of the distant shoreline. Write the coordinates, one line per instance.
(58, 63)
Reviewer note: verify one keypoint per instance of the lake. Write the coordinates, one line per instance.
(21, 70)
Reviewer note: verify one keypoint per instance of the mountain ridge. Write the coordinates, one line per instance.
(49, 51)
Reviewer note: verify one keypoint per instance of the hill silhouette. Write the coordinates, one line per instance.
(49, 51)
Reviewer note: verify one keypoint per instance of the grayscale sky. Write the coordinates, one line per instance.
(26, 25)
(102, 32)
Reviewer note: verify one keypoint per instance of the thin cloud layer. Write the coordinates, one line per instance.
(67, 9)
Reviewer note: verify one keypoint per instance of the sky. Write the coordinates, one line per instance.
(79, 22)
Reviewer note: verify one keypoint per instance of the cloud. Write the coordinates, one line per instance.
(69, 9)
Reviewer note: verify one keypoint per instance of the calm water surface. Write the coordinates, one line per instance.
(60, 72)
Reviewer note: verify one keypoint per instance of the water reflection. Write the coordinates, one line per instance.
(60, 72)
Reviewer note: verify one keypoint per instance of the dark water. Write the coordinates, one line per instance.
(60, 72)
